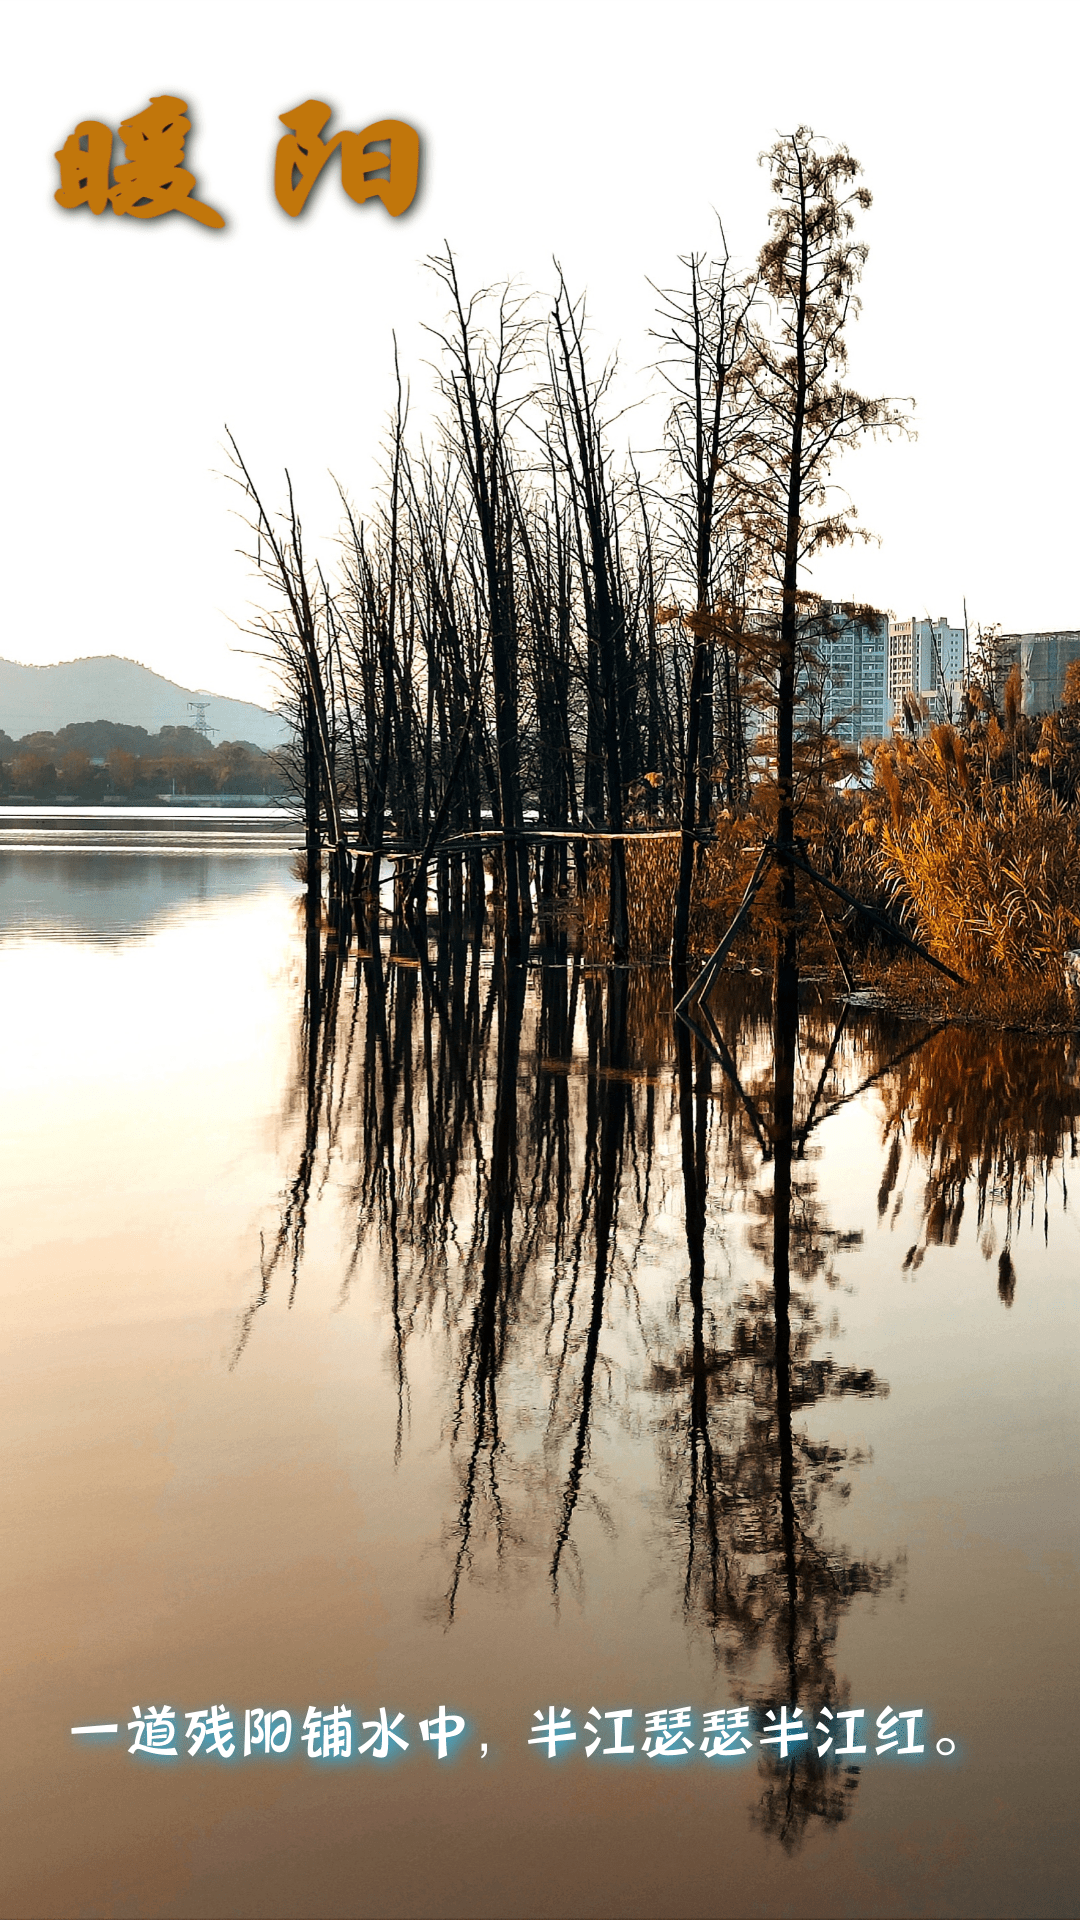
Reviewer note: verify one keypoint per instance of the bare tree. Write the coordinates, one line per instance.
(579, 437)
(477, 385)
(301, 648)
(706, 346)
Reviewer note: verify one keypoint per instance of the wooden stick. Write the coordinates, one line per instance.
(715, 960)
(794, 859)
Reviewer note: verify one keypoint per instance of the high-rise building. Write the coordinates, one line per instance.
(842, 680)
(926, 657)
(853, 650)
(1043, 659)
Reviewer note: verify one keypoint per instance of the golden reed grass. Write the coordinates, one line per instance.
(722, 870)
(990, 873)
(986, 871)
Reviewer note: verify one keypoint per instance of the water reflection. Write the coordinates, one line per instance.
(609, 1226)
(990, 1113)
(760, 1571)
(123, 893)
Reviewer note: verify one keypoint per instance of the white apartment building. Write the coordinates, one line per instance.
(844, 682)
(924, 654)
(853, 652)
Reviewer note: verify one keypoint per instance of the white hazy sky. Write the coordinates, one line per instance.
(606, 136)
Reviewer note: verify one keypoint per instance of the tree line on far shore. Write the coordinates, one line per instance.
(95, 760)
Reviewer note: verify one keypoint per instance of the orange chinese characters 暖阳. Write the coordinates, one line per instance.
(85, 159)
(367, 172)
(153, 179)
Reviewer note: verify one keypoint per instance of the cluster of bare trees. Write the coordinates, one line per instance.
(531, 651)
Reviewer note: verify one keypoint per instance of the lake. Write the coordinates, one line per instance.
(395, 1333)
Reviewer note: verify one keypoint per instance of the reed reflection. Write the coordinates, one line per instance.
(989, 1114)
(520, 1145)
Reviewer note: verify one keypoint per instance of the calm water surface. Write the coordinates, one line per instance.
(391, 1335)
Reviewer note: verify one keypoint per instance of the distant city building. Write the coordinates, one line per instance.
(846, 691)
(853, 652)
(927, 659)
(1043, 659)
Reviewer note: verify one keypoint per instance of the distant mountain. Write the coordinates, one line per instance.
(106, 687)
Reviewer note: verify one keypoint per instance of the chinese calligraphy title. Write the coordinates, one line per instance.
(381, 162)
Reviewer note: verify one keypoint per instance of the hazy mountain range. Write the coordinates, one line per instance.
(107, 687)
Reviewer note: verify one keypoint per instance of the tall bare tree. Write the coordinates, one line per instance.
(579, 437)
(477, 383)
(300, 643)
(706, 345)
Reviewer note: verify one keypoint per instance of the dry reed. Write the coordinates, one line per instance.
(990, 874)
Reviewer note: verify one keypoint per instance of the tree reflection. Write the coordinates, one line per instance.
(609, 1103)
(761, 1576)
(315, 1097)
(491, 1312)
(511, 1141)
